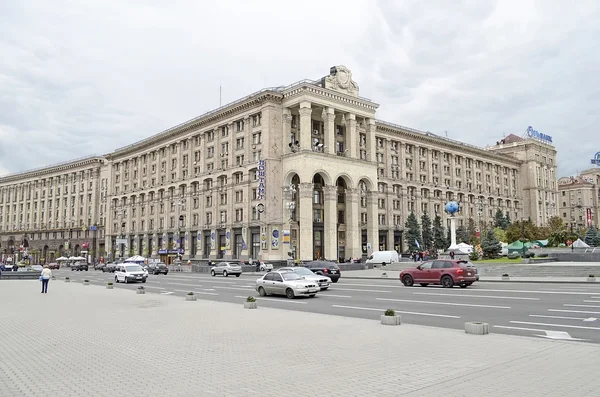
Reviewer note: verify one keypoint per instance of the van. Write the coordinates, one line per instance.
(383, 258)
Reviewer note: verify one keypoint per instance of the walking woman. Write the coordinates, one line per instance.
(46, 274)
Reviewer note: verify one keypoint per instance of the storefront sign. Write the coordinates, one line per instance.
(589, 217)
(261, 180)
(170, 252)
(538, 135)
(596, 159)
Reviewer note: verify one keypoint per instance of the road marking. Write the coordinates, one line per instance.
(397, 311)
(592, 306)
(590, 319)
(534, 292)
(234, 288)
(558, 335)
(208, 289)
(373, 285)
(336, 296)
(149, 286)
(188, 285)
(557, 317)
(443, 303)
(166, 293)
(196, 292)
(548, 332)
(357, 290)
(555, 325)
(275, 300)
(572, 311)
(591, 301)
(477, 296)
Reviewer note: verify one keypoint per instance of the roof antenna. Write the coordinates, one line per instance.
(446, 132)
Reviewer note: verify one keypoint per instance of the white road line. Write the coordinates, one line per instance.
(187, 285)
(233, 288)
(275, 300)
(591, 301)
(374, 285)
(443, 303)
(557, 317)
(476, 296)
(335, 296)
(196, 292)
(519, 328)
(533, 292)
(572, 311)
(591, 306)
(397, 311)
(357, 290)
(555, 325)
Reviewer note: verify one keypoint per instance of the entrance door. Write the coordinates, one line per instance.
(221, 247)
(318, 244)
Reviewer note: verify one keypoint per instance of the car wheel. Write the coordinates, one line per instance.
(225, 274)
(143, 280)
(289, 293)
(126, 281)
(408, 281)
(335, 281)
(116, 279)
(447, 282)
(312, 295)
(324, 289)
(166, 273)
(424, 284)
(320, 273)
(212, 273)
(239, 274)
(262, 268)
(261, 291)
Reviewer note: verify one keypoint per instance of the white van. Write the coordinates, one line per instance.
(383, 258)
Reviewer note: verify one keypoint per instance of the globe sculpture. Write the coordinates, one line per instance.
(452, 207)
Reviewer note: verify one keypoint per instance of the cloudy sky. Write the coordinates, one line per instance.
(85, 77)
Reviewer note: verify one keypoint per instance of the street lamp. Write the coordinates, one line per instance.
(523, 235)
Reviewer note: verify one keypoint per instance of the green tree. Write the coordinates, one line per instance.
(555, 223)
(591, 236)
(507, 221)
(413, 232)
(426, 232)
(490, 246)
(521, 230)
(472, 230)
(462, 236)
(499, 219)
(597, 239)
(500, 234)
(439, 234)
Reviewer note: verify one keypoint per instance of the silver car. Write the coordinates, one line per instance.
(286, 283)
(226, 268)
(322, 281)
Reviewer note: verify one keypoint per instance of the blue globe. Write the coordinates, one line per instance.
(452, 207)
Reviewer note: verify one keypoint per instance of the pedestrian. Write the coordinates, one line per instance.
(45, 277)
(452, 255)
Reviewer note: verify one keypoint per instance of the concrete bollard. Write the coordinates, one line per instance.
(477, 328)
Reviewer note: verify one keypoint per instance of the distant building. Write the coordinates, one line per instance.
(579, 199)
(305, 169)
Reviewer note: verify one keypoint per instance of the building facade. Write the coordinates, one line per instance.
(579, 199)
(305, 171)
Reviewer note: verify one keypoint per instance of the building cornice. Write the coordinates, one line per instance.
(307, 87)
(433, 139)
(209, 118)
(53, 169)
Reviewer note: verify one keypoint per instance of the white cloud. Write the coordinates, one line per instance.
(79, 79)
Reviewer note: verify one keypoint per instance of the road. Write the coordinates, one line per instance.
(555, 311)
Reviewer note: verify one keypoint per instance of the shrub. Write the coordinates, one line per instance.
(390, 312)
(529, 254)
(141, 287)
(474, 256)
(67, 278)
(544, 255)
(109, 283)
(250, 299)
(505, 275)
(86, 281)
(591, 276)
(190, 293)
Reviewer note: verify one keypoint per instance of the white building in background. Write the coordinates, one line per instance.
(305, 169)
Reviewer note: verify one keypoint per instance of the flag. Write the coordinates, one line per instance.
(417, 244)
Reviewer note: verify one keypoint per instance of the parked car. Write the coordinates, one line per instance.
(158, 268)
(382, 258)
(80, 266)
(130, 273)
(289, 284)
(322, 281)
(265, 267)
(325, 268)
(226, 268)
(445, 272)
(53, 266)
(110, 268)
(99, 266)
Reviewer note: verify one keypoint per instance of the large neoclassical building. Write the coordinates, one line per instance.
(304, 170)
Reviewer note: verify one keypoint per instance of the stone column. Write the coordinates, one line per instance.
(353, 234)
(371, 141)
(330, 223)
(372, 228)
(287, 130)
(305, 220)
(351, 136)
(305, 126)
(329, 122)
(390, 235)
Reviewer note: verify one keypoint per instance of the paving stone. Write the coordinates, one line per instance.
(80, 340)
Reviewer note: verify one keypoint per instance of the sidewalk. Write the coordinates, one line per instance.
(87, 340)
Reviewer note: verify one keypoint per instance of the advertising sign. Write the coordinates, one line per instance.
(596, 159)
(275, 239)
(286, 236)
(589, 217)
(261, 180)
(538, 135)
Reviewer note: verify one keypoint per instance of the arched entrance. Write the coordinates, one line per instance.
(292, 206)
(341, 218)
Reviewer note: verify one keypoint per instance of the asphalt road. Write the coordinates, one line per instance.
(555, 311)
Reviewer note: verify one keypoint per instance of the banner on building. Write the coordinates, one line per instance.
(589, 217)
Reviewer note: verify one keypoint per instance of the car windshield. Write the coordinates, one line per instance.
(161, 265)
(134, 268)
(303, 271)
(290, 276)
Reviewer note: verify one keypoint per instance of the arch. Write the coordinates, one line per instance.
(341, 183)
(324, 174)
(290, 176)
(346, 178)
(368, 183)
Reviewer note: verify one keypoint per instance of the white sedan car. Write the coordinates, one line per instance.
(286, 283)
(266, 267)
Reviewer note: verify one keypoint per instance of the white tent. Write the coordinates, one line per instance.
(580, 244)
(62, 258)
(135, 259)
(77, 258)
(464, 247)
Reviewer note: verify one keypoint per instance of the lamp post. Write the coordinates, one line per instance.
(479, 214)
(290, 204)
(523, 235)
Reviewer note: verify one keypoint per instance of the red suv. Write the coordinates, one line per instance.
(444, 272)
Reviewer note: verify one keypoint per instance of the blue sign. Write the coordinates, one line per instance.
(596, 159)
(260, 195)
(538, 135)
